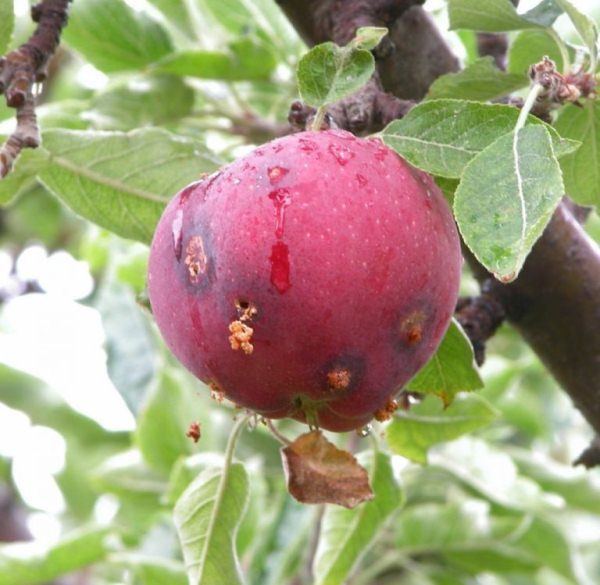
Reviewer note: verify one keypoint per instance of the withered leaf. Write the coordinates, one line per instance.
(319, 473)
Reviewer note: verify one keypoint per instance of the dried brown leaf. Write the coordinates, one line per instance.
(320, 473)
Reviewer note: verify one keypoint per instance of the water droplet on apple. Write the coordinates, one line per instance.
(281, 199)
(364, 431)
(307, 145)
(276, 174)
(342, 154)
(176, 230)
(362, 180)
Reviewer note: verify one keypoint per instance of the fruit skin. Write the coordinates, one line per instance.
(341, 259)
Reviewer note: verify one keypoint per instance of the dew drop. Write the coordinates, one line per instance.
(276, 174)
(381, 153)
(176, 230)
(307, 145)
(364, 431)
(362, 180)
(280, 267)
(281, 199)
(342, 154)
(236, 181)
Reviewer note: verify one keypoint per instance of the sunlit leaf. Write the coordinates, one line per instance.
(28, 563)
(581, 170)
(245, 60)
(150, 570)
(164, 420)
(328, 73)
(480, 80)
(133, 357)
(207, 517)
(347, 534)
(122, 181)
(498, 15)
(585, 26)
(506, 197)
(114, 37)
(451, 369)
(428, 423)
(443, 136)
(530, 47)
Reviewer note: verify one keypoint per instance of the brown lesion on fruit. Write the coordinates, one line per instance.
(195, 259)
(411, 328)
(339, 379)
(241, 336)
(387, 411)
(245, 309)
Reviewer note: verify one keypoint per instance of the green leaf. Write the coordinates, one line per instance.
(535, 543)
(580, 489)
(412, 433)
(45, 406)
(467, 536)
(26, 563)
(264, 17)
(544, 13)
(443, 136)
(368, 37)
(23, 174)
(122, 181)
(207, 517)
(585, 26)
(142, 101)
(180, 13)
(451, 369)
(489, 471)
(529, 47)
(433, 527)
(347, 534)
(114, 37)
(126, 475)
(487, 16)
(163, 421)
(506, 198)
(581, 170)
(133, 358)
(246, 60)
(7, 24)
(480, 81)
(328, 73)
(150, 570)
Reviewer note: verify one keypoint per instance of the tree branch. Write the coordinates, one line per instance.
(24, 67)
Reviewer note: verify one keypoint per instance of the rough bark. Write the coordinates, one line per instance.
(555, 302)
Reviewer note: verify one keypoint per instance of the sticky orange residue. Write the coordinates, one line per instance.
(387, 411)
(241, 336)
(339, 379)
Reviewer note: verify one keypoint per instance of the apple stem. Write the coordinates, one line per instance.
(283, 440)
(233, 437)
(318, 119)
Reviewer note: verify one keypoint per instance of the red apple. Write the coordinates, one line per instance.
(310, 279)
